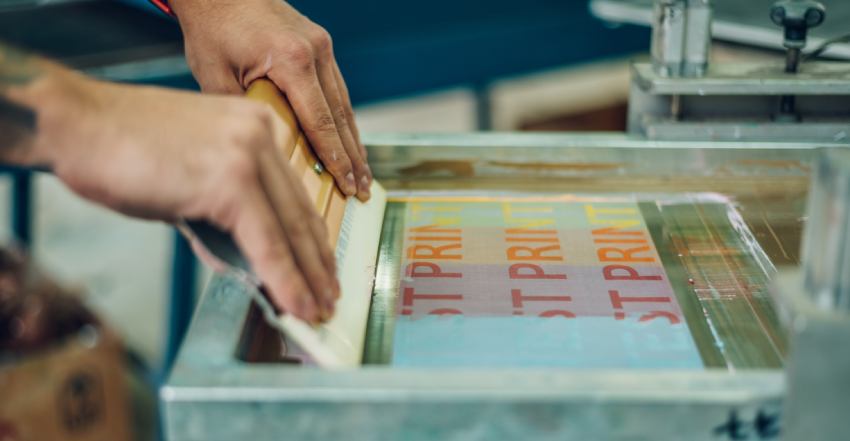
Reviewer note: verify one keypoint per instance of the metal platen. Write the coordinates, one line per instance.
(226, 384)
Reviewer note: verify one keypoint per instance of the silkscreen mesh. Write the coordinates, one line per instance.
(571, 281)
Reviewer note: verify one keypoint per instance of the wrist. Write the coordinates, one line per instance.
(187, 11)
(204, 12)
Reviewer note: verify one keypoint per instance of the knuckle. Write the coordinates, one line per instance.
(321, 41)
(359, 165)
(348, 112)
(299, 293)
(324, 123)
(300, 54)
(337, 164)
(339, 172)
(273, 251)
(292, 291)
(342, 117)
(240, 167)
(252, 129)
(299, 230)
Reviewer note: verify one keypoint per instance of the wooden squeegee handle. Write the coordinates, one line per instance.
(265, 91)
(319, 184)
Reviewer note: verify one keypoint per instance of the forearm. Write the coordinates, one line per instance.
(202, 13)
(162, 154)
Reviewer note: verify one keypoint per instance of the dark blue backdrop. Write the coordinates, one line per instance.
(389, 48)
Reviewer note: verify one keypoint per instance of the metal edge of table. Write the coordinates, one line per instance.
(207, 379)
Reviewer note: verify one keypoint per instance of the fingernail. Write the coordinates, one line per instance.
(350, 185)
(364, 193)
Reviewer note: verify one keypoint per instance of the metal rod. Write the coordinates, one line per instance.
(792, 60)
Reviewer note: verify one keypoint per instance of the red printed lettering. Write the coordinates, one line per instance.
(630, 273)
(617, 300)
(673, 318)
(534, 253)
(609, 254)
(429, 270)
(518, 298)
(536, 272)
(434, 252)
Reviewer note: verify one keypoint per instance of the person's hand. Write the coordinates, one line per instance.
(161, 154)
(229, 44)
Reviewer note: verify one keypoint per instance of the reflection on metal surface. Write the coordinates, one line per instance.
(380, 327)
(722, 283)
(827, 251)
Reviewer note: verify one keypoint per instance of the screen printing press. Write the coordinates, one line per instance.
(555, 286)
(566, 286)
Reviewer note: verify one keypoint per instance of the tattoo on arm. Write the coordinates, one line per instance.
(17, 68)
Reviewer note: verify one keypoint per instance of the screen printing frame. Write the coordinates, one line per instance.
(212, 394)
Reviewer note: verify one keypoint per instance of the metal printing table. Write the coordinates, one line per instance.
(227, 381)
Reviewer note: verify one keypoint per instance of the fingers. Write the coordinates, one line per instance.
(298, 220)
(308, 100)
(266, 209)
(312, 86)
(317, 227)
(259, 234)
(342, 116)
(346, 101)
(312, 218)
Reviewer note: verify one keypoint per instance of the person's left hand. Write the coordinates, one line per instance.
(229, 44)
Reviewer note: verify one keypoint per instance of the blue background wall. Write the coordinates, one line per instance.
(390, 48)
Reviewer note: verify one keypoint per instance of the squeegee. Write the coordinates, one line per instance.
(354, 228)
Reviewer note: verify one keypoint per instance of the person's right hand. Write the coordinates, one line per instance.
(230, 44)
(162, 154)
